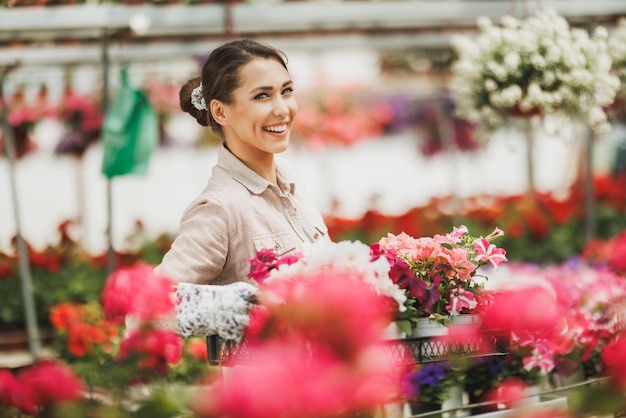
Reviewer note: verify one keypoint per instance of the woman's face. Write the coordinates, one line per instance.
(258, 122)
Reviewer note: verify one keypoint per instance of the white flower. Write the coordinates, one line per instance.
(537, 63)
(344, 256)
(507, 97)
(512, 61)
(484, 23)
(490, 85)
(509, 22)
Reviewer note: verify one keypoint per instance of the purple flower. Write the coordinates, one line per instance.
(429, 375)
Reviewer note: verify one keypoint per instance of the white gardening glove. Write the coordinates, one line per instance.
(203, 310)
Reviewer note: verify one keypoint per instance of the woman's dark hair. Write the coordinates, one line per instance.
(220, 76)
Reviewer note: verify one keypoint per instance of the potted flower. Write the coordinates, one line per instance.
(441, 273)
(535, 66)
(346, 258)
(22, 118)
(428, 386)
(482, 375)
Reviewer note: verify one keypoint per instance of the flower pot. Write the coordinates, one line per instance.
(422, 408)
(392, 332)
(465, 319)
(427, 328)
(477, 398)
(455, 400)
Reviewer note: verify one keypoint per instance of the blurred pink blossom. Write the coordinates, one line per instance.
(138, 291)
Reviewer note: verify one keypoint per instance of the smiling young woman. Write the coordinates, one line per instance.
(253, 200)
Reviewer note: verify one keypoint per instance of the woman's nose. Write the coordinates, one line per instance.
(280, 107)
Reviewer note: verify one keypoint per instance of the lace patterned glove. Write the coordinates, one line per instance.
(203, 310)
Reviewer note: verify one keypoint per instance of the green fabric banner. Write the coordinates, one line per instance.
(130, 132)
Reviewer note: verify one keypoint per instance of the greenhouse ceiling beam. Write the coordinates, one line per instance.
(88, 21)
(84, 21)
(320, 16)
(120, 53)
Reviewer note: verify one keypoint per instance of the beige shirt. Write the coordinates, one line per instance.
(238, 214)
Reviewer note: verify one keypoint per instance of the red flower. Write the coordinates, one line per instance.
(51, 382)
(83, 326)
(155, 348)
(63, 315)
(509, 392)
(613, 356)
(197, 348)
(137, 290)
(617, 255)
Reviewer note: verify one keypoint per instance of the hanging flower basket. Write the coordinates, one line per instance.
(535, 66)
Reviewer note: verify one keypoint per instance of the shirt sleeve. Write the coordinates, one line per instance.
(198, 253)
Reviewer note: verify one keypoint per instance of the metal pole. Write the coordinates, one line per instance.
(105, 104)
(590, 204)
(23, 258)
(531, 139)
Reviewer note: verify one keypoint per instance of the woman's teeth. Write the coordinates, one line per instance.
(277, 129)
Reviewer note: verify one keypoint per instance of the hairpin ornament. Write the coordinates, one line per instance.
(197, 100)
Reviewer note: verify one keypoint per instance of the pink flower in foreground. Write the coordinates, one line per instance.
(51, 382)
(137, 290)
(155, 349)
(487, 252)
(315, 342)
(613, 356)
(304, 307)
(510, 392)
(532, 309)
(617, 257)
(46, 383)
(289, 383)
(14, 394)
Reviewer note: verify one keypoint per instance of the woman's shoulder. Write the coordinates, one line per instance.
(221, 194)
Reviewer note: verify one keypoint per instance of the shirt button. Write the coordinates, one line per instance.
(276, 247)
(316, 235)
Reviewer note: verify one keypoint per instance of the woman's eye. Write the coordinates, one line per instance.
(261, 96)
(288, 90)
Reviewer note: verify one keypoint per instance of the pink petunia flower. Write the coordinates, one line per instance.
(452, 237)
(487, 252)
(460, 299)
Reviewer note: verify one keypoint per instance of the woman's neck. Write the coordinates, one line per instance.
(260, 162)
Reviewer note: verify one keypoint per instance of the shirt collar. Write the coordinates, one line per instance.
(247, 177)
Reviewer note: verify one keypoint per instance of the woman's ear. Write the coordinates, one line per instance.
(218, 111)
